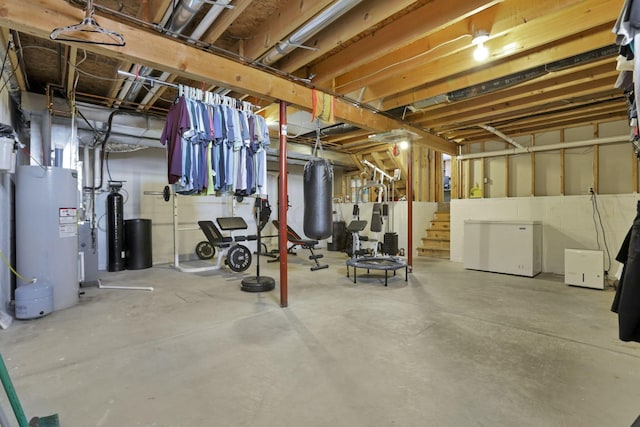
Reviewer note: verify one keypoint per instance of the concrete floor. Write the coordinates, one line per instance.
(450, 347)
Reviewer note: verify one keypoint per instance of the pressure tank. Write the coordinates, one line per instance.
(47, 230)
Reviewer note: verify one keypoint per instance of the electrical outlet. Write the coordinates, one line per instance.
(590, 189)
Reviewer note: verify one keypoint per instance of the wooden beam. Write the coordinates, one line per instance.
(501, 109)
(541, 85)
(7, 40)
(71, 71)
(281, 24)
(224, 21)
(455, 178)
(395, 42)
(360, 19)
(584, 17)
(195, 64)
(441, 82)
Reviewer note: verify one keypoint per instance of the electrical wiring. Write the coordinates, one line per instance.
(18, 275)
(597, 221)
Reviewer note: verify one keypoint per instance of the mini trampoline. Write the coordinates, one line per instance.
(378, 263)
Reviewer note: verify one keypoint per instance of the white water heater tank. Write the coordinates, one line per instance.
(47, 230)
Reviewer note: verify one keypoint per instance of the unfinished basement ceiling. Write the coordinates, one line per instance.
(551, 63)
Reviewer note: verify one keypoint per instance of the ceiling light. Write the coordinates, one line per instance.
(481, 52)
(404, 144)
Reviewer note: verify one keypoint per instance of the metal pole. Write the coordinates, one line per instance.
(410, 208)
(282, 206)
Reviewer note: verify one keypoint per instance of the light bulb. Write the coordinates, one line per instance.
(404, 145)
(481, 53)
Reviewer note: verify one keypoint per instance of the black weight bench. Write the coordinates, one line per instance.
(238, 256)
(295, 240)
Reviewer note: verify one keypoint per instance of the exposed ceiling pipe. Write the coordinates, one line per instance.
(178, 21)
(511, 80)
(535, 148)
(202, 27)
(501, 135)
(311, 28)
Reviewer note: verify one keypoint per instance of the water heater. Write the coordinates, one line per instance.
(47, 230)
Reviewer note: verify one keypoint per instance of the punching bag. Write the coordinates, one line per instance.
(115, 231)
(318, 192)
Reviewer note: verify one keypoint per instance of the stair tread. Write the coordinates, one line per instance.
(437, 239)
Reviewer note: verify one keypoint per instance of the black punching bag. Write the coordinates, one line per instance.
(318, 192)
(115, 231)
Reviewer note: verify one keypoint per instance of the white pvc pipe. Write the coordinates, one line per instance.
(501, 135)
(535, 148)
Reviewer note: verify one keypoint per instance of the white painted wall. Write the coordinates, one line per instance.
(145, 170)
(567, 223)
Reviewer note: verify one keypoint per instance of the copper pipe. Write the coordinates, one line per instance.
(282, 206)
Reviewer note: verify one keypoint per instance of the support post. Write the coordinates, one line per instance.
(282, 206)
(410, 208)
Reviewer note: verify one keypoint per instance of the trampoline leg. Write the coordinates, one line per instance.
(386, 274)
(406, 273)
(354, 274)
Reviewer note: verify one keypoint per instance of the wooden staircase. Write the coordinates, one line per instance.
(437, 241)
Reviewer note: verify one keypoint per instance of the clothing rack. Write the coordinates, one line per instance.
(195, 93)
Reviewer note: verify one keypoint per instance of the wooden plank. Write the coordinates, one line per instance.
(455, 178)
(501, 109)
(369, 14)
(195, 64)
(282, 23)
(5, 38)
(543, 84)
(71, 71)
(224, 21)
(583, 17)
(442, 83)
(398, 41)
(532, 189)
(596, 167)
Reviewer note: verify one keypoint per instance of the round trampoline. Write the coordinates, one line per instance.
(385, 264)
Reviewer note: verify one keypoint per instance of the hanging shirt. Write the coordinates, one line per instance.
(176, 124)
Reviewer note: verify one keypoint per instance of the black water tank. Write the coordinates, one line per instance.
(115, 231)
(138, 243)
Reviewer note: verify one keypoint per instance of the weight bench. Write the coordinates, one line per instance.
(238, 256)
(295, 240)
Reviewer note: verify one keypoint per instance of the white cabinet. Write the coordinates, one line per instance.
(512, 247)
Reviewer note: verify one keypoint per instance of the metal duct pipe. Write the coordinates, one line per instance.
(518, 78)
(550, 147)
(311, 28)
(337, 129)
(210, 17)
(180, 18)
(183, 14)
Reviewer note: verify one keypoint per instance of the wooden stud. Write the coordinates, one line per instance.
(562, 164)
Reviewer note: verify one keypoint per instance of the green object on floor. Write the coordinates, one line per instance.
(48, 421)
